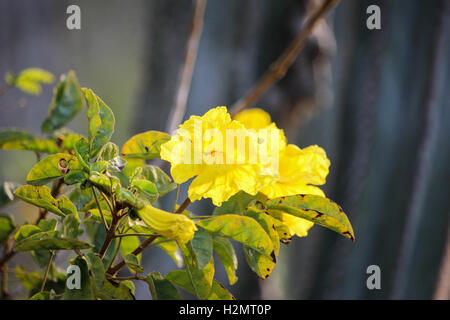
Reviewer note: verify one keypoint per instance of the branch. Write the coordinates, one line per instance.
(278, 69)
(144, 245)
(179, 109)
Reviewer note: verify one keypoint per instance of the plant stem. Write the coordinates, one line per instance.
(100, 210)
(184, 205)
(142, 247)
(278, 69)
(52, 254)
(176, 198)
(135, 234)
(110, 235)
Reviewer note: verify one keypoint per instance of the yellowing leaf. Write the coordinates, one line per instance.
(41, 196)
(242, 229)
(320, 210)
(225, 251)
(201, 279)
(51, 244)
(52, 167)
(146, 145)
(29, 80)
(15, 139)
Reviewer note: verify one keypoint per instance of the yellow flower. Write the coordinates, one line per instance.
(170, 225)
(253, 118)
(300, 170)
(201, 148)
(297, 226)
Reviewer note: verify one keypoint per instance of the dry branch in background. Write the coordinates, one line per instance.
(179, 108)
(278, 69)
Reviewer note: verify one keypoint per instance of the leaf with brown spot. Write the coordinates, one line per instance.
(52, 167)
(146, 145)
(320, 210)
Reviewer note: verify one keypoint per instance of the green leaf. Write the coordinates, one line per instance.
(103, 181)
(146, 188)
(29, 80)
(7, 226)
(202, 245)
(41, 196)
(75, 176)
(7, 192)
(242, 229)
(218, 292)
(146, 145)
(26, 231)
(162, 289)
(133, 263)
(101, 122)
(80, 197)
(225, 251)
(237, 203)
(44, 295)
(70, 227)
(97, 269)
(52, 167)
(115, 291)
(28, 279)
(182, 280)
(81, 149)
(320, 210)
(51, 244)
(201, 279)
(125, 195)
(108, 152)
(66, 103)
(66, 139)
(160, 179)
(47, 225)
(86, 290)
(15, 139)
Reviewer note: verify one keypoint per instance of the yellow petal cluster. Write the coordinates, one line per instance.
(205, 156)
(300, 171)
(297, 171)
(170, 225)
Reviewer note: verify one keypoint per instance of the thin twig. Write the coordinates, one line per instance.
(134, 234)
(184, 205)
(278, 69)
(179, 109)
(176, 198)
(52, 254)
(112, 207)
(100, 210)
(144, 245)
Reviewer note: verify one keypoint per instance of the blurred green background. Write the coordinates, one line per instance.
(378, 101)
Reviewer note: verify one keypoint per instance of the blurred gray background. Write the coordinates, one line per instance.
(378, 101)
